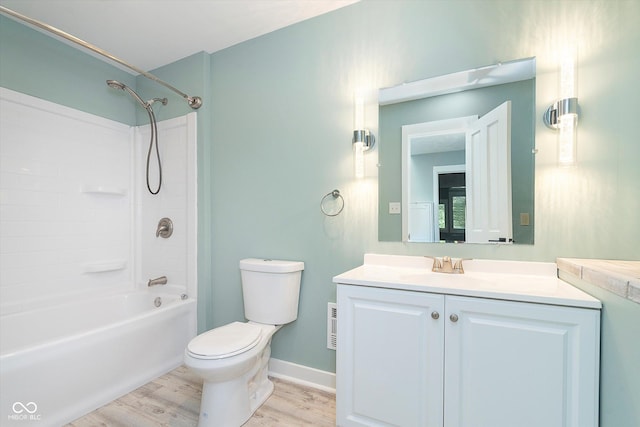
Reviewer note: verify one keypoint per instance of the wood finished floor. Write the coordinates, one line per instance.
(174, 400)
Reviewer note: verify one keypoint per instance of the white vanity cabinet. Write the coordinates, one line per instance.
(431, 359)
(390, 353)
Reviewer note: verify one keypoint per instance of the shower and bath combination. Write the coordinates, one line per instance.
(194, 102)
(147, 105)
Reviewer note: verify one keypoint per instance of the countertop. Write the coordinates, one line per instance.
(535, 282)
(619, 277)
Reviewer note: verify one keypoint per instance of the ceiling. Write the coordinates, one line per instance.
(438, 143)
(152, 33)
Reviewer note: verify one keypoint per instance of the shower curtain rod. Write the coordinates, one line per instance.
(194, 102)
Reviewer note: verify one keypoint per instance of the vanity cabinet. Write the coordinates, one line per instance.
(407, 358)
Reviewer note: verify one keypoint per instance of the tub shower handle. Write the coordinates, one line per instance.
(162, 280)
(165, 228)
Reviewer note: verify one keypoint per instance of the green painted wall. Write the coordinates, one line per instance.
(283, 115)
(41, 66)
(619, 356)
(275, 138)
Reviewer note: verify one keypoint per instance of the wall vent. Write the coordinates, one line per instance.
(332, 325)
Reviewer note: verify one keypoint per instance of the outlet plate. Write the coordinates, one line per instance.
(394, 208)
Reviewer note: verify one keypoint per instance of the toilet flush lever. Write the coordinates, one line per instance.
(165, 228)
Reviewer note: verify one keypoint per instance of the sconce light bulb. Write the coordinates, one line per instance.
(567, 127)
(568, 77)
(358, 114)
(358, 159)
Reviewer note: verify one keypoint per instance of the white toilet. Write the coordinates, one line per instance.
(233, 359)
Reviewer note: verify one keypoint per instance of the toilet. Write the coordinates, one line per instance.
(233, 359)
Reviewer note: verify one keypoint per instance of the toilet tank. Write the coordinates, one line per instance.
(271, 289)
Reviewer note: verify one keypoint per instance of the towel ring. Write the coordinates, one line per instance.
(335, 194)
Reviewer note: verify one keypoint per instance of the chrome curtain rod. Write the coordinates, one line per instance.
(194, 102)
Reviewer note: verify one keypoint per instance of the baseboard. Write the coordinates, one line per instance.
(303, 375)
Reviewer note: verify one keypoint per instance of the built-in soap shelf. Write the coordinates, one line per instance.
(104, 266)
(103, 189)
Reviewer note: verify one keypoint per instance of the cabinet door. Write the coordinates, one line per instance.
(389, 357)
(517, 364)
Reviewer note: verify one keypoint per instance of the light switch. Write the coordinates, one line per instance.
(524, 218)
(394, 208)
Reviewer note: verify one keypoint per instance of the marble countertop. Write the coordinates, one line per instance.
(535, 282)
(619, 277)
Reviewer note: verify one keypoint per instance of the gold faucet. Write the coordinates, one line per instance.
(447, 265)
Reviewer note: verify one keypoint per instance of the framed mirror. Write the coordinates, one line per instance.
(456, 152)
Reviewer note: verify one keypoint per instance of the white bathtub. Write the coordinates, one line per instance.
(58, 363)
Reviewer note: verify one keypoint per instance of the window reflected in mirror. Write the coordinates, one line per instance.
(452, 207)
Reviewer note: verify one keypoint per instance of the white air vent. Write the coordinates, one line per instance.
(332, 325)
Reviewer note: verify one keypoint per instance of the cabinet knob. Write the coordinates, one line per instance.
(435, 315)
(453, 317)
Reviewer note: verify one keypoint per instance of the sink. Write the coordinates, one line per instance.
(510, 280)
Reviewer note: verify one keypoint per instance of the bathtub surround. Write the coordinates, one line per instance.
(75, 223)
(78, 248)
(67, 218)
(294, 88)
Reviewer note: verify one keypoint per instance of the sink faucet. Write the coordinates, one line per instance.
(162, 280)
(447, 265)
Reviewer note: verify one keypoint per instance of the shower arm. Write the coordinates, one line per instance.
(194, 102)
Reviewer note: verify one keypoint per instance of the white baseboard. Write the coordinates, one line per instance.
(303, 375)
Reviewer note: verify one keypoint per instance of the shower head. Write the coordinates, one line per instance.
(117, 85)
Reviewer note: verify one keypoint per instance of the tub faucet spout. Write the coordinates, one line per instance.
(162, 280)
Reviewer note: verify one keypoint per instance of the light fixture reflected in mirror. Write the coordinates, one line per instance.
(563, 114)
(363, 140)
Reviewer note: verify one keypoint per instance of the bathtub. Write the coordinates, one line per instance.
(58, 363)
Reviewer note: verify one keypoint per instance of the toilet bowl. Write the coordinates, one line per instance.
(234, 371)
(233, 359)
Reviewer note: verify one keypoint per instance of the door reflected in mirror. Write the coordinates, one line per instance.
(461, 164)
(471, 201)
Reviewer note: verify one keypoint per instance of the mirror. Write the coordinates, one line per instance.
(456, 152)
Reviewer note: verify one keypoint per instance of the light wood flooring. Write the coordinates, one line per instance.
(174, 400)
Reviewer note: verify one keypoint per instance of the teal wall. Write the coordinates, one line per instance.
(275, 132)
(619, 356)
(41, 66)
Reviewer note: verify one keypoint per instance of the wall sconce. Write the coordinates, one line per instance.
(362, 141)
(563, 114)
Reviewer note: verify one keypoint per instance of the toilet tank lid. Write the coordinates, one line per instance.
(270, 265)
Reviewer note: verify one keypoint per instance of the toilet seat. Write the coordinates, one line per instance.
(225, 341)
